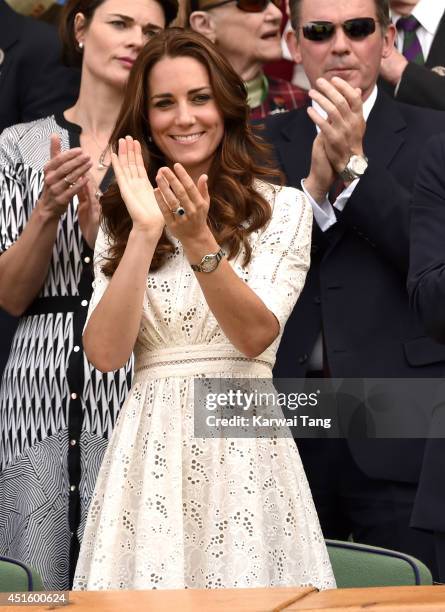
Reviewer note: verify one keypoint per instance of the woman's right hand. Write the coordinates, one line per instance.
(65, 176)
(135, 187)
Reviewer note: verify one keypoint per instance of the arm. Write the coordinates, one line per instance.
(340, 135)
(111, 331)
(421, 86)
(377, 211)
(112, 328)
(415, 84)
(249, 325)
(24, 265)
(426, 279)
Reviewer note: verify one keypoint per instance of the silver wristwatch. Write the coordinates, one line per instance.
(355, 168)
(208, 262)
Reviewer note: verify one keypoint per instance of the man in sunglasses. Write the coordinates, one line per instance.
(247, 33)
(353, 319)
(415, 69)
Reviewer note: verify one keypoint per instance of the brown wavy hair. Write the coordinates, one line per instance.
(236, 208)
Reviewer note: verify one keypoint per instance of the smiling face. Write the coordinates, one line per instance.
(247, 39)
(355, 61)
(185, 121)
(117, 32)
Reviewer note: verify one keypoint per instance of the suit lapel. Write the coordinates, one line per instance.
(384, 131)
(436, 56)
(383, 138)
(294, 146)
(293, 142)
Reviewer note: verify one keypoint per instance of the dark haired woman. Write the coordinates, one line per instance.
(56, 412)
(198, 276)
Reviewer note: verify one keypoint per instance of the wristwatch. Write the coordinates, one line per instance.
(208, 262)
(355, 168)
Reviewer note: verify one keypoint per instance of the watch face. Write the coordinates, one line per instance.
(358, 164)
(208, 263)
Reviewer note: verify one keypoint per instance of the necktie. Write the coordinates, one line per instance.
(411, 45)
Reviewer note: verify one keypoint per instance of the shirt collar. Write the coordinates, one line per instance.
(367, 105)
(257, 89)
(428, 13)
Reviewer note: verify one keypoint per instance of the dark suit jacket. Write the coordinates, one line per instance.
(426, 280)
(426, 286)
(420, 85)
(356, 285)
(33, 82)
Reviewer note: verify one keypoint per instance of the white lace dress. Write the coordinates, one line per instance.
(174, 511)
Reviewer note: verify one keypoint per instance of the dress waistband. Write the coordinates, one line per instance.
(53, 304)
(199, 359)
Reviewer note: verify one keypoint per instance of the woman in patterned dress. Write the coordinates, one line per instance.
(171, 510)
(56, 411)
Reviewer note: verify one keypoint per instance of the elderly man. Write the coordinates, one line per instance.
(353, 318)
(247, 32)
(416, 68)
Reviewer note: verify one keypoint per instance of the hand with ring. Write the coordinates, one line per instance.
(135, 187)
(179, 211)
(65, 176)
(185, 206)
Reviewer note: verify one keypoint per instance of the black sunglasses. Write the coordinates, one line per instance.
(355, 29)
(248, 6)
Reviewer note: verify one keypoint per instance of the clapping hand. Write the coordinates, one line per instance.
(136, 190)
(185, 206)
(343, 129)
(88, 211)
(322, 174)
(65, 176)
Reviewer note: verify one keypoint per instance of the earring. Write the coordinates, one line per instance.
(81, 45)
(150, 139)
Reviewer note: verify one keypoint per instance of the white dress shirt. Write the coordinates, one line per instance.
(324, 212)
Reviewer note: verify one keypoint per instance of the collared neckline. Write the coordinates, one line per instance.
(427, 12)
(257, 90)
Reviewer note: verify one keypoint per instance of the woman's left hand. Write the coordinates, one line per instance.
(177, 192)
(88, 211)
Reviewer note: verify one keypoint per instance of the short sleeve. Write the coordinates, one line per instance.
(19, 189)
(100, 283)
(281, 255)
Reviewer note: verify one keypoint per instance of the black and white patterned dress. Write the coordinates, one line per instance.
(56, 411)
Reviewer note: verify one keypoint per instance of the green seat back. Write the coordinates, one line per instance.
(360, 565)
(16, 576)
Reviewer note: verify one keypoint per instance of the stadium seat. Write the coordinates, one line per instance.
(360, 565)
